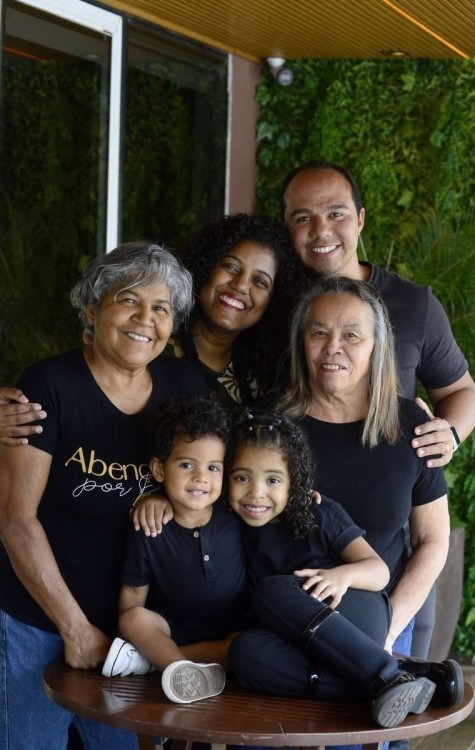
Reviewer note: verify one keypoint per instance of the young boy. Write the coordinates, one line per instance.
(187, 586)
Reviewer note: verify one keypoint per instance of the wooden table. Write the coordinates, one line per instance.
(137, 704)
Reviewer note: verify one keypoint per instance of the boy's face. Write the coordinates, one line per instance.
(192, 475)
(259, 484)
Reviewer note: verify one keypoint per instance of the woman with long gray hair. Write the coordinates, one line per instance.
(343, 386)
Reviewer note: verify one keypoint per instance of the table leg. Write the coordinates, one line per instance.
(146, 742)
(181, 744)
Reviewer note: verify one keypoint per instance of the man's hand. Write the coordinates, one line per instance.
(434, 438)
(16, 410)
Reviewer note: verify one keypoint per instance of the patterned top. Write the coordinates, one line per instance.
(223, 386)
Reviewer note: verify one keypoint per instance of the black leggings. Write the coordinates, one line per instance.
(349, 651)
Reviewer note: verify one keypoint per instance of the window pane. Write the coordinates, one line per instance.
(175, 137)
(54, 125)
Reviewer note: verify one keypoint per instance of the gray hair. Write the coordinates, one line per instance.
(135, 263)
(382, 421)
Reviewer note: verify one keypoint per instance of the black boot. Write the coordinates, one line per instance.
(400, 696)
(447, 676)
(331, 641)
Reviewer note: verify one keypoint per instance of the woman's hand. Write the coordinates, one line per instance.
(151, 513)
(323, 584)
(85, 648)
(16, 410)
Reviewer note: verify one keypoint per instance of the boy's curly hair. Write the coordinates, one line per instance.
(256, 349)
(191, 418)
(265, 429)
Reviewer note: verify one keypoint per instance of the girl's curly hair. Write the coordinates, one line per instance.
(279, 433)
(258, 349)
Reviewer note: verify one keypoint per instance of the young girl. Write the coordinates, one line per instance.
(305, 559)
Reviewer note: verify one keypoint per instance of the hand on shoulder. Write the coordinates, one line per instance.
(16, 415)
(434, 439)
(150, 512)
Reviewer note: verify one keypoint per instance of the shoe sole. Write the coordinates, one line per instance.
(185, 682)
(391, 708)
(425, 696)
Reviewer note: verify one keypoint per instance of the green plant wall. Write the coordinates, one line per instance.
(406, 130)
(48, 204)
(174, 150)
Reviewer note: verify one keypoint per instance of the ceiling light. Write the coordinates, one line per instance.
(397, 53)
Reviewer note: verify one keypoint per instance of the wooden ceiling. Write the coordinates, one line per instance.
(256, 29)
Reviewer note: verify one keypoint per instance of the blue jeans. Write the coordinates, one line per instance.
(28, 719)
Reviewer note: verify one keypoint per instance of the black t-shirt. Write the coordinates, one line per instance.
(274, 549)
(425, 347)
(99, 466)
(377, 486)
(197, 577)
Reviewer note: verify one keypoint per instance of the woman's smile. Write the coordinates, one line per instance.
(239, 288)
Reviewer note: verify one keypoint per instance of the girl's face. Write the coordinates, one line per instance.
(259, 484)
(239, 287)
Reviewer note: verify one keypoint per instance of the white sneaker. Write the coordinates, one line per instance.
(124, 659)
(186, 682)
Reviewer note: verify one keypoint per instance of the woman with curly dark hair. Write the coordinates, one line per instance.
(306, 559)
(244, 280)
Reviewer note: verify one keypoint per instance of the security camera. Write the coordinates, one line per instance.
(285, 76)
(282, 75)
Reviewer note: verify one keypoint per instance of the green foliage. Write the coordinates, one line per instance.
(445, 259)
(174, 141)
(462, 502)
(48, 204)
(406, 130)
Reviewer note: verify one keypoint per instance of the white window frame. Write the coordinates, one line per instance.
(105, 22)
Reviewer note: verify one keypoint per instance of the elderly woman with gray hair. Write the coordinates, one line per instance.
(65, 497)
(343, 390)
